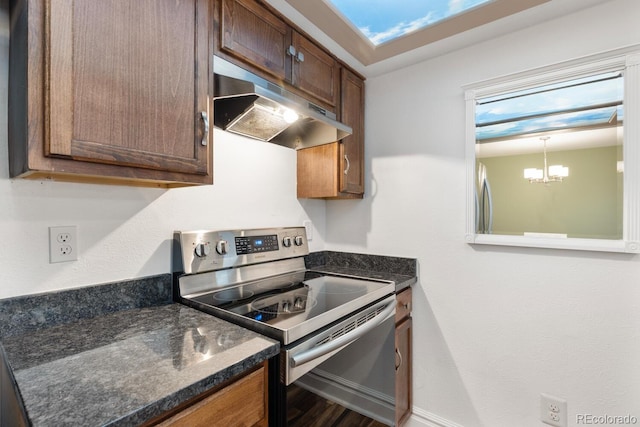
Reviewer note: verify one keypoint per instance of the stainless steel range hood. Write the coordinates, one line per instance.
(249, 105)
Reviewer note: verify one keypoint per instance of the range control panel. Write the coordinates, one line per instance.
(255, 244)
(205, 250)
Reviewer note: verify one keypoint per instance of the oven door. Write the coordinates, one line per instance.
(302, 357)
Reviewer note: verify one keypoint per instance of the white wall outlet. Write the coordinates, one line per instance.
(63, 244)
(553, 410)
(308, 226)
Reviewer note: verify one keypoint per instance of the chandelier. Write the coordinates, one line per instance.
(553, 173)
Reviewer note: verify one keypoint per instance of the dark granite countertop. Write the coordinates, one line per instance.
(134, 359)
(122, 353)
(402, 271)
(127, 367)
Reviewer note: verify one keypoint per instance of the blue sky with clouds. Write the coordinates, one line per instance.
(384, 20)
(555, 103)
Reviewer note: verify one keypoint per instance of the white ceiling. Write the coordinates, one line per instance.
(430, 42)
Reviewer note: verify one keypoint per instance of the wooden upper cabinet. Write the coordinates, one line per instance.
(352, 147)
(336, 170)
(124, 78)
(315, 71)
(253, 35)
(123, 90)
(318, 171)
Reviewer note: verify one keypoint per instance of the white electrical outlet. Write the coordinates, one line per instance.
(553, 410)
(63, 244)
(308, 226)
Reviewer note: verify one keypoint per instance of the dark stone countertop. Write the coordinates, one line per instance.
(128, 364)
(122, 353)
(402, 271)
(127, 367)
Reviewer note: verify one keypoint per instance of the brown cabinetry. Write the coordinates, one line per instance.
(252, 35)
(315, 71)
(336, 170)
(248, 31)
(352, 147)
(111, 91)
(243, 402)
(403, 341)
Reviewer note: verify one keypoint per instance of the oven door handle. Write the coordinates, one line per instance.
(321, 350)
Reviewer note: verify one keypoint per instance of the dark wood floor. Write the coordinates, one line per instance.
(309, 410)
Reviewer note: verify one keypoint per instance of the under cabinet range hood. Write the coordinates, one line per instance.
(249, 105)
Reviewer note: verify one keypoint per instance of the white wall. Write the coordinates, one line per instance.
(125, 232)
(493, 327)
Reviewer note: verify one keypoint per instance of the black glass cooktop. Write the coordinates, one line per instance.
(295, 301)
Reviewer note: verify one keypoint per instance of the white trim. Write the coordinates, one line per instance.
(598, 245)
(574, 68)
(421, 417)
(631, 153)
(625, 59)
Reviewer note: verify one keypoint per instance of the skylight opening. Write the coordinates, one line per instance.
(591, 102)
(382, 21)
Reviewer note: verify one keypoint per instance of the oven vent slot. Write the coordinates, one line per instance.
(361, 320)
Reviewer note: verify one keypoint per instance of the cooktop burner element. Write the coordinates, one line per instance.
(283, 284)
(232, 294)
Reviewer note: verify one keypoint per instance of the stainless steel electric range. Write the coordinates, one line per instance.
(257, 278)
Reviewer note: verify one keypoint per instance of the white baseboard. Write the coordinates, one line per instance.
(422, 418)
(363, 400)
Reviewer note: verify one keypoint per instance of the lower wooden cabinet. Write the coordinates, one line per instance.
(242, 403)
(403, 340)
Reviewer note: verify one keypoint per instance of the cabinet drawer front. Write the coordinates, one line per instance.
(403, 304)
(240, 404)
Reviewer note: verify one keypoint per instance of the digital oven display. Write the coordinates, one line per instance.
(256, 244)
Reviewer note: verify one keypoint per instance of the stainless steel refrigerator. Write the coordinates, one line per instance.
(484, 203)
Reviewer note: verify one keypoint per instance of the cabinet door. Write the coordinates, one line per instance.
(336, 170)
(317, 171)
(254, 35)
(403, 304)
(315, 72)
(128, 83)
(352, 147)
(403, 371)
(242, 403)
